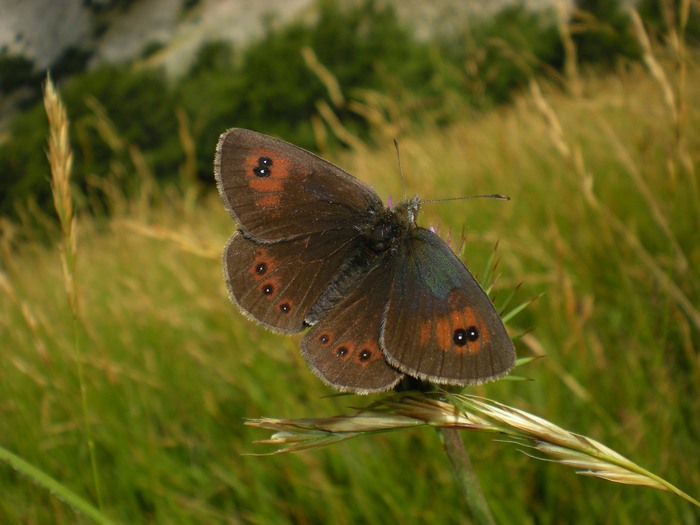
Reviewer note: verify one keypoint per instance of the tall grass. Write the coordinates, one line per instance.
(603, 223)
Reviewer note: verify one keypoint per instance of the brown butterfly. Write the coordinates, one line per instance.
(316, 248)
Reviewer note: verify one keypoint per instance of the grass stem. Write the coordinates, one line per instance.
(465, 476)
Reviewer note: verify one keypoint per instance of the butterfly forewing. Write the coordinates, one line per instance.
(343, 347)
(440, 325)
(277, 283)
(276, 190)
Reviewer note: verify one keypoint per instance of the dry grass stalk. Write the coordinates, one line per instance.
(183, 242)
(336, 97)
(573, 153)
(188, 170)
(554, 127)
(32, 323)
(650, 197)
(570, 55)
(337, 127)
(61, 160)
(104, 125)
(657, 72)
(325, 76)
(399, 412)
(674, 99)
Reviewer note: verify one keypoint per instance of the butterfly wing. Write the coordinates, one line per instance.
(276, 190)
(440, 325)
(277, 284)
(343, 347)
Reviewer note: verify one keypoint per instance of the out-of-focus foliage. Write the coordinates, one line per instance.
(125, 116)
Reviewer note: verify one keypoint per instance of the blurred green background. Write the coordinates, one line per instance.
(587, 117)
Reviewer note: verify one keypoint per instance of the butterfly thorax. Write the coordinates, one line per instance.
(387, 226)
(379, 238)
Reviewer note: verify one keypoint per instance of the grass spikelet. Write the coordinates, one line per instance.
(587, 455)
(61, 160)
(655, 69)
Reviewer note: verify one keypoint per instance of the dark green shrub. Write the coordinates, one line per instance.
(15, 72)
(73, 60)
(271, 89)
(140, 106)
(604, 33)
(502, 52)
(268, 86)
(660, 17)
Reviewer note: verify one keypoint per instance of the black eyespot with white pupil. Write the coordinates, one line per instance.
(268, 289)
(341, 351)
(365, 355)
(285, 308)
(261, 269)
(263, 169)
(324, 339)
(461, 336)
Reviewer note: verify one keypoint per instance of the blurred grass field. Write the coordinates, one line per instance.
(602, 229)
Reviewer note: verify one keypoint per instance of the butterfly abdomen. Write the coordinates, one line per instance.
(345, 280)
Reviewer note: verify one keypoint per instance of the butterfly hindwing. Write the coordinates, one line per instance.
(276, 190)
(277, 283)
(343, 347)
(440, 325)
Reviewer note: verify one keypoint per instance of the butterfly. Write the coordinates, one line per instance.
(381, 297)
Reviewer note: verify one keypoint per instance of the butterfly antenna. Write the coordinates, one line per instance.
(398, 159)
(498, 196)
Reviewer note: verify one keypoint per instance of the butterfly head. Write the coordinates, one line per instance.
(407, 211)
